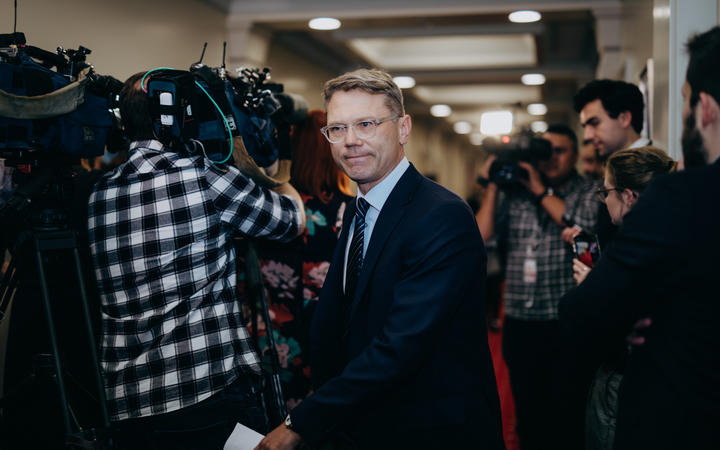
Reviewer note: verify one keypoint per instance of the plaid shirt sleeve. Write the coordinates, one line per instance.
(250, 209)
(582, 204)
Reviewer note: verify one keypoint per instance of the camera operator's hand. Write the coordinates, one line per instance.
(485, 169)
(485, 216)
(554, 205)
(534, 183)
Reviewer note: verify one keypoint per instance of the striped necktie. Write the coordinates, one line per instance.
(355, 254)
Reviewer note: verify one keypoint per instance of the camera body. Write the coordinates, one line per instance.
(207, 106)
(505, 170)
(42, 110)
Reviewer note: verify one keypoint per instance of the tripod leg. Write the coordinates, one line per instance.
(91, 340)
(53, 339)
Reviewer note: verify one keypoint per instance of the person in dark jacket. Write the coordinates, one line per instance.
(662, 266)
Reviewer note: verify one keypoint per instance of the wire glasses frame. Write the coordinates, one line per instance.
(364, 129)
(603, 193)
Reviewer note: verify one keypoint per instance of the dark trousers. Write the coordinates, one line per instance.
(204, 425)
(549, 385)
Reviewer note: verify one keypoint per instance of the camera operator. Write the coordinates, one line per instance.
(178, 364)
(528, 218)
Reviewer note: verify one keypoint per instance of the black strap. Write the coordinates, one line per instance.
(275, 406)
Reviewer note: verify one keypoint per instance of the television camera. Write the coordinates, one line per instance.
(524, 146)
(204, 109)
(49, 120)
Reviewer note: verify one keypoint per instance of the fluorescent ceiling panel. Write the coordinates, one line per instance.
(448, 52)
(481, 94)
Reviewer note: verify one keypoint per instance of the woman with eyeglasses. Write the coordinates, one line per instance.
(627, 173)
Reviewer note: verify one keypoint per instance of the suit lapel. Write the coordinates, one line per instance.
(337, 267)
(393, 210)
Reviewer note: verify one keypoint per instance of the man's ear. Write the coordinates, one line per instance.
(625, 118)
(709, 109)
(405, 126)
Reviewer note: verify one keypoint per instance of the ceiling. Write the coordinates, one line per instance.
(464, 53)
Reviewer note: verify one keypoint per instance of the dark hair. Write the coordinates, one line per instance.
(616, 97)
(313, 170)
(703, 72)
(634, 168)
(565, 130)
(135, 110)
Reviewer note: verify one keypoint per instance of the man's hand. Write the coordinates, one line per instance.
(636, 338)
(534, 182)
(485, 169)
(281, 438)
(569, 233)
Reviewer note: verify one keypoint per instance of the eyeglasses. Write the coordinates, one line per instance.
(603, 193)
(364, 129)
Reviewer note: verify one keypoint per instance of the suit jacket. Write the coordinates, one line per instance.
(409, 353)
(662, 265)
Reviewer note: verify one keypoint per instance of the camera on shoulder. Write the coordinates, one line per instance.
(525, 147)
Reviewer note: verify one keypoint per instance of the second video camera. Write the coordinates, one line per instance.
(505, 170)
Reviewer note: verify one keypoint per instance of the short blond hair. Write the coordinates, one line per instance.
(372, 81)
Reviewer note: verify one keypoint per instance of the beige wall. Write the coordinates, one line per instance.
(636, 38)
(131, 35)
(125, 36)
(448, 156)
(297, 75)
(672, 29)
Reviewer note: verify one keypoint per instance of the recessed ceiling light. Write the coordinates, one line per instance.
(524, 16)
(496, 122)
(404, 82)
(324, 23)
(440, 110)
(539, 126)
(537, 109)
(462, 127)
(533, 79)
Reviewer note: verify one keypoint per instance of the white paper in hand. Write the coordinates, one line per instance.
(243, 438)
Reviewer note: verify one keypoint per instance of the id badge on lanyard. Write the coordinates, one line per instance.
(530, 272)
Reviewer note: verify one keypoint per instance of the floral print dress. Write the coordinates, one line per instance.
(293, 275)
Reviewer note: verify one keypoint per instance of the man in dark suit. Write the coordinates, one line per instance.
(663, 265)
(399, 346)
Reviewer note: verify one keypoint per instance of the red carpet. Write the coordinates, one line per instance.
(503, 384)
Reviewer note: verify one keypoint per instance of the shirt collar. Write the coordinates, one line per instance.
(641, 142)
(377, 196)
(151, 145)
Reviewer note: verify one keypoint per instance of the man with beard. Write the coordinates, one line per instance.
(662, 266)
(528, 218)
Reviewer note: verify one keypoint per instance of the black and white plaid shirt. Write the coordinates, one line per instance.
(529, 233)
(160, 228)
